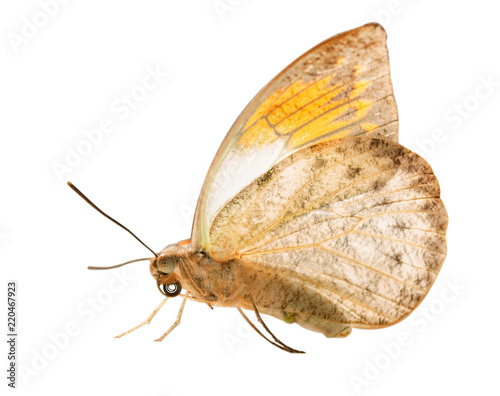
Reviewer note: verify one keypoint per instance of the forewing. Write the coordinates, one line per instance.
(350, 230)
(339, 88)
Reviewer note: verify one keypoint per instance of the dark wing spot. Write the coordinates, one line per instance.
(319, 163)
(352, 172)
(265, 177)
(397, 258)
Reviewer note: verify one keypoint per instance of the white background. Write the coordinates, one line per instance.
(65, 78)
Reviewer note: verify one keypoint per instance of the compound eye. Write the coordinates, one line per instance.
(172, 289)
(166, 264)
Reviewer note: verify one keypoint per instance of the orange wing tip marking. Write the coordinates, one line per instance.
(318, 122)
(274, 100)
(338, 135)
(306, 97)
(330, 122)
(359, 87)
(358, 69)
(308, 109)
(320, 98)
(263, 108)
(310, 112)
(368, 126)
(259, 134)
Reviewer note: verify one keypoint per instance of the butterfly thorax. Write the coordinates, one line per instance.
(205, 279)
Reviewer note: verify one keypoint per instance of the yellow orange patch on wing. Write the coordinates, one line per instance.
(309, 112)
(335, 136)
(359, 87)
(358, 69)
(263, 108)
(301, 99)
(368, 126)
(274, 100)
(330, 122)
(259, 134)
(320, 106)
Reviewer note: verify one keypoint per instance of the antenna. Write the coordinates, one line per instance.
(119, 265)
(113, 220)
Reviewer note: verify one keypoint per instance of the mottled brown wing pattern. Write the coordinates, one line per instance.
(355, 224)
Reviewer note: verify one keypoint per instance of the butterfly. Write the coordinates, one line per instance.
(311, 211)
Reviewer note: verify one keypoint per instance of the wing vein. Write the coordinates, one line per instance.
(289, 202)
(334, 88)
(372, 268)
(398, 240)
(269, 109)
(339, 118)
(339, 254)
(386, 193)
(340, 296)
(306, 210)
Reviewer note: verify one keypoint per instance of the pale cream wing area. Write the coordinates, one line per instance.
(341, 87)
(349, 231)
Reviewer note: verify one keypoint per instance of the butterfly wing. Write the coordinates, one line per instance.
(340, 88)
(348, 231)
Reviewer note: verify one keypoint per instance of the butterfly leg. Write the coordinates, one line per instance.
(147, 321)
(177, 321)
(261, 321)
(257, 330)
(277, 342)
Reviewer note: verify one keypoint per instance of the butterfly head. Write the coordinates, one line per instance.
(165, 268)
